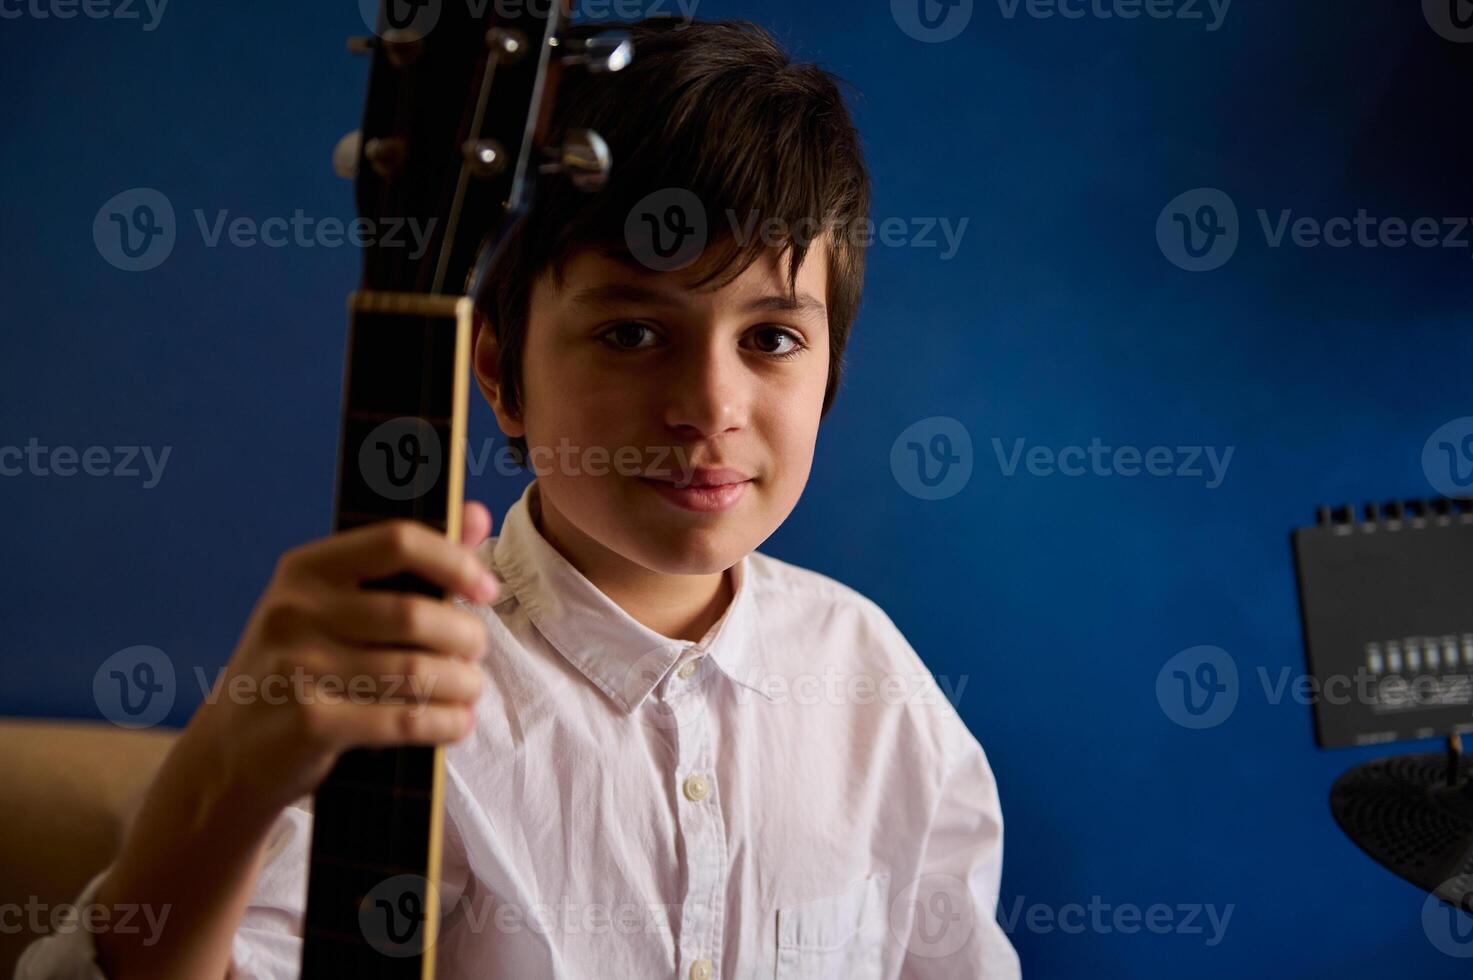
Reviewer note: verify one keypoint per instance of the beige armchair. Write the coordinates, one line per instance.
(66, 789)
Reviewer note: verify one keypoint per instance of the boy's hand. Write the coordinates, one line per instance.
(325, 664)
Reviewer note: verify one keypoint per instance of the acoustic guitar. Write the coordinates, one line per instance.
(458, 105)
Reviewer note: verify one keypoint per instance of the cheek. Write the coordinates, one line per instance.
(789, 426)
(565, 397)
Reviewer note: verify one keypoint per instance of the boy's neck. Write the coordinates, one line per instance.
(681, 607)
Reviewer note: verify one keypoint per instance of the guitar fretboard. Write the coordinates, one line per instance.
(372, 910)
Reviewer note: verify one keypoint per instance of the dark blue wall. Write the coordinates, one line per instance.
(1059, 320)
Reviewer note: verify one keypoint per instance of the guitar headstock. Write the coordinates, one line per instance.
(452, 141)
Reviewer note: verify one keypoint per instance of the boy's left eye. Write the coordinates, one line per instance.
(782, 335)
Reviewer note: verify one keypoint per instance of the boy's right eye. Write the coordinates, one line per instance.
(625, 335)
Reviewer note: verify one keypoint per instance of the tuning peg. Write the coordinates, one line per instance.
(346, 154)
(509, 44)
(401, 47)
(609, 51)
(386, 156)
(485, 158)
(584, 158)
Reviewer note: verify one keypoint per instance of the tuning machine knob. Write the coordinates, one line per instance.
(401, 47)
(507, 43)
(346, 154)
(584, 158)
(386, 155)
(598, 53)
(485, 158)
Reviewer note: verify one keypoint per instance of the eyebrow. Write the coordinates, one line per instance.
(609, 294)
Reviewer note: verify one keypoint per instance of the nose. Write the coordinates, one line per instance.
(709, 390)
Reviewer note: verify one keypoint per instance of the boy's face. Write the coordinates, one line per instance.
(634, 384)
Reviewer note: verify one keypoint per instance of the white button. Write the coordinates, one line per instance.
(687, 669)
(700, 970)
(697, 789)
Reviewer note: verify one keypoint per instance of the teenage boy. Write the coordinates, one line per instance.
(669, 754)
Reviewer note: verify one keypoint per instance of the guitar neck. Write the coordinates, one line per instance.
(454, 135)
(372, 902)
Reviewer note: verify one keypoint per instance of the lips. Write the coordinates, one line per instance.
(703, 476)
(708, 490)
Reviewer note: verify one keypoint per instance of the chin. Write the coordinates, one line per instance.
(687, 551)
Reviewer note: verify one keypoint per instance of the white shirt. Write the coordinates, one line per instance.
(790, 797)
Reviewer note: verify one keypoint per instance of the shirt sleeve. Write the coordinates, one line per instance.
(949, 912)
(66, 954)
(268, 942)
(265, 947)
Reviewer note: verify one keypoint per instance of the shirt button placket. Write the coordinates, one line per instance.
(700, 826)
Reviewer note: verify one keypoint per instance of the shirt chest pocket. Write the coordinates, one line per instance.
(838, 937)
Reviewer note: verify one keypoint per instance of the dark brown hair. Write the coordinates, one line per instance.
(719, 109)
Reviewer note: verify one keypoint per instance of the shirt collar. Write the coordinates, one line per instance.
(621, 656)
